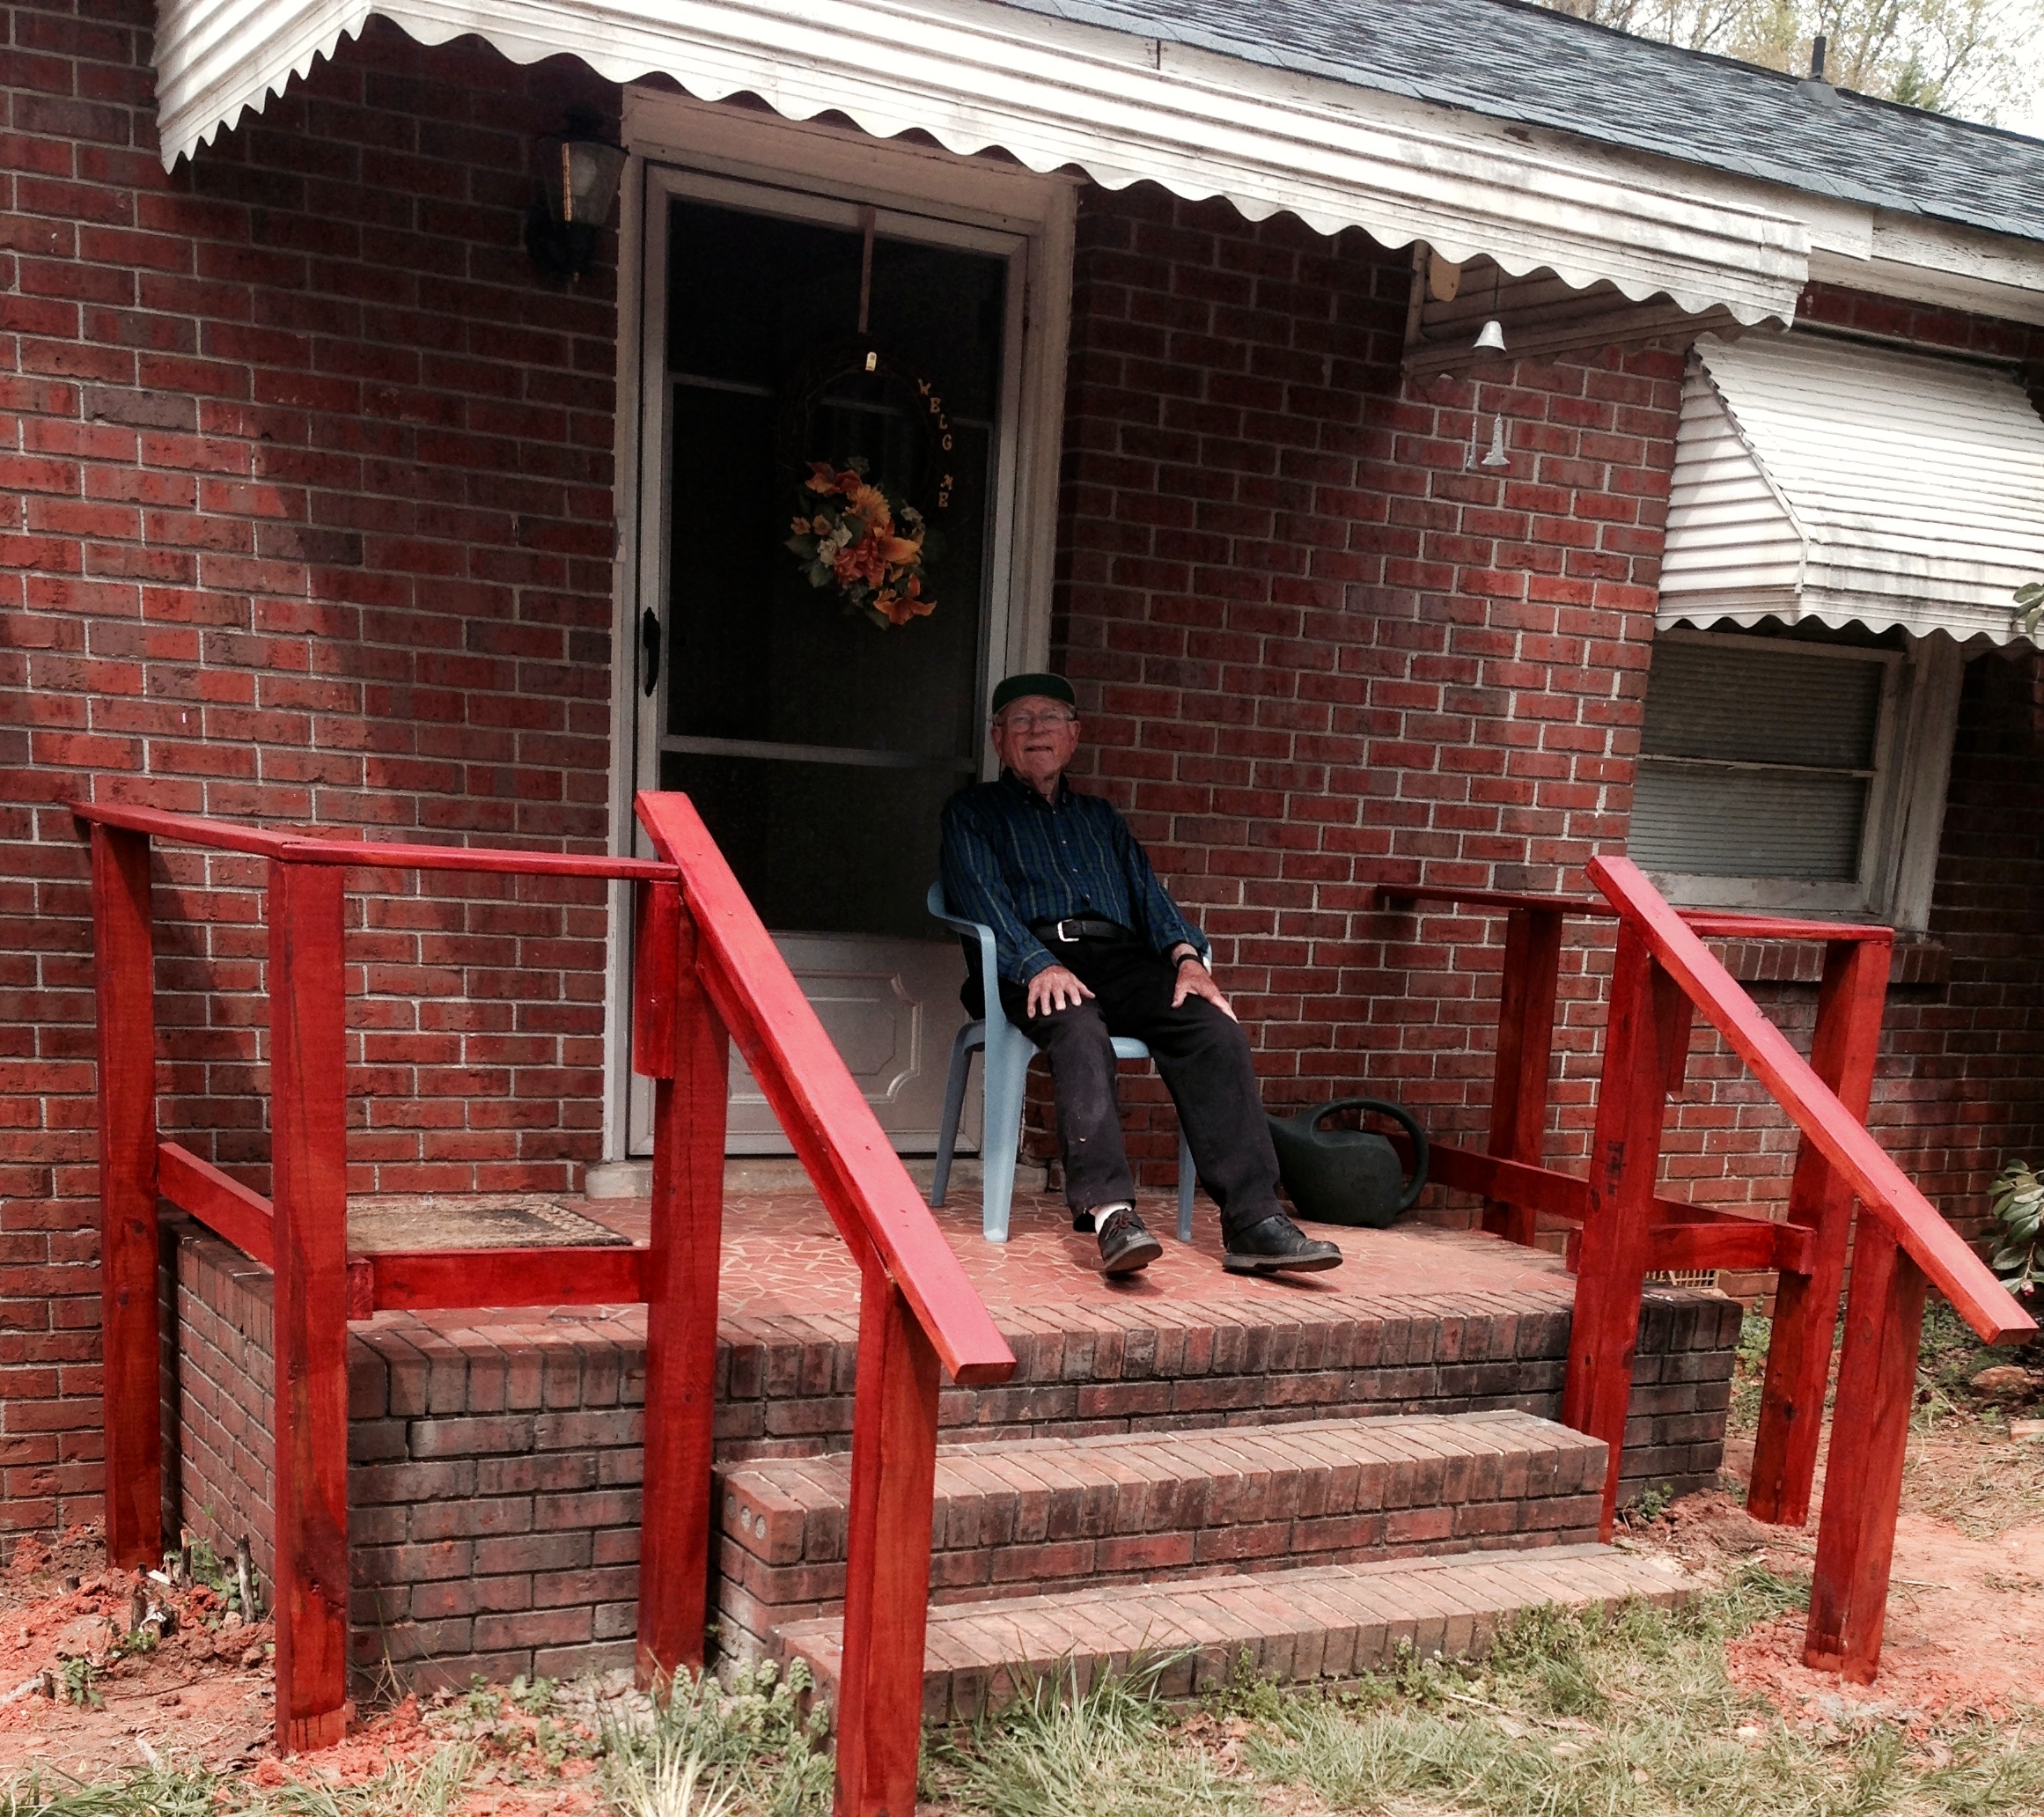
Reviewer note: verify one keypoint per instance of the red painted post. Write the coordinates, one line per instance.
(1870, 1443)
(1646, 1006)
(309, 1163)
(1526, 1039)
(681, 1285)
(124, 986)
(879, 1710)
(1791, 1415)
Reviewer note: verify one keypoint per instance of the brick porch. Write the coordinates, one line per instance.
(494, 1487)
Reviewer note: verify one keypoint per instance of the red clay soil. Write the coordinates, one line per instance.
(1965, 1641)
(202, 1697)
(1965, 1634)
(71, 1697)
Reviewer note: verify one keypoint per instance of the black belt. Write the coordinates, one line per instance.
(1075, 928)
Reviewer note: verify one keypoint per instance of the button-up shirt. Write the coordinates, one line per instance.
(1010, 858)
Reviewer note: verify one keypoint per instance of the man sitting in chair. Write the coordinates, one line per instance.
(1090, 946)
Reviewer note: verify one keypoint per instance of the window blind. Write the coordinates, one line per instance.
(1756, 762)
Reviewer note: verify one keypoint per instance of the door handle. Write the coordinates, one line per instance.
(649, 645)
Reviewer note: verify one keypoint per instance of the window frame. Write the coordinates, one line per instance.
(1905, 807)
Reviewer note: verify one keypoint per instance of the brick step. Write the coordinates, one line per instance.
(1021, 1518)
(1327, 1622)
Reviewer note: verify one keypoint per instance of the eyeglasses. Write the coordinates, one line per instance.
(1029, 722)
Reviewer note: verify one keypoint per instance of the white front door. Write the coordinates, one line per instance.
(786, 329)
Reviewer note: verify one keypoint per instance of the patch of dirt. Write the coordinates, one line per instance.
(1964, 1633)
(99, 1667)
(79, 1696)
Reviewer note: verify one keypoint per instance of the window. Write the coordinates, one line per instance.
(1795, 773)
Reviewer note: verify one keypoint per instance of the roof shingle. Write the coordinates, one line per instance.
(1518, 62)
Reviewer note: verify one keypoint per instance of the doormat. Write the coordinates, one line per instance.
(395, 1221)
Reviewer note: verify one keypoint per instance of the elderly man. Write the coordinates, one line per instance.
(1090, 946)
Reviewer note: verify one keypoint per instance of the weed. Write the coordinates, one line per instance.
(661, 1780)
(1102, 1748)
(75, 1678)
(749, 1730)
(1756, 1331)
(1652, 1504)
(1949, 1358)
(150, 1791)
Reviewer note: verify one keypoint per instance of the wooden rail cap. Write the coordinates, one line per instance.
(1882, 1186)
(864, 1184)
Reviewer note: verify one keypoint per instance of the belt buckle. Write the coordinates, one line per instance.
(1069, 920)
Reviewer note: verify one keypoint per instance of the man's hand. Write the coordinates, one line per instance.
(1195, 980)
(1056, 988)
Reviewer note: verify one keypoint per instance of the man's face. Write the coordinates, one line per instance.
(1035, 737)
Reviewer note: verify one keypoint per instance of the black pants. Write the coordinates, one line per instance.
(1203, 1055)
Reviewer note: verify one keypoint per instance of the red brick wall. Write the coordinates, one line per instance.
(1318, 651)
(304, 501)
(304, 517)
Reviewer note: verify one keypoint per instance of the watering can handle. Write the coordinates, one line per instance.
(1399, 1114)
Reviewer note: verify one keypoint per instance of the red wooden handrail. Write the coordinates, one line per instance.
(1711, 924)
(867, 1192)
(364, 854)
(1882, 1186)
(703, 968)
(1900, 1245)
(1661, 972)
(917, 1308)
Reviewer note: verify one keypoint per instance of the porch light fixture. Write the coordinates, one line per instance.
(579, 171)
(1490, 336)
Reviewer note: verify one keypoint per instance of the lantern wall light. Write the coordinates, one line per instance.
(579, 172)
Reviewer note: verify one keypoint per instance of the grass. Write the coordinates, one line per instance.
(1628, 1714)
(741, 1748)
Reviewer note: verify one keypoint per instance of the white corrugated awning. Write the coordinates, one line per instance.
(1054, 94)
(1824, 479)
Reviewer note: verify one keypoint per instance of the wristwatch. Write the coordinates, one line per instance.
(1182, 957)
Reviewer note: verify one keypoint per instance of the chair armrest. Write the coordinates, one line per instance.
(990, 972)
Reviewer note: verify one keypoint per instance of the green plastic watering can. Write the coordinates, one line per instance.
(1348, 1176)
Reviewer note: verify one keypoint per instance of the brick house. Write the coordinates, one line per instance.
(327, 504)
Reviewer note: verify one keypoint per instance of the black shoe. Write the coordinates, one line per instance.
(1277, 1246)
(1125, 1245)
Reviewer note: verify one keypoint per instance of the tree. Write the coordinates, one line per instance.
(1971, 57)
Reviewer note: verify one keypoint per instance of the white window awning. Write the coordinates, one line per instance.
(1052, 93)
(1821, 479)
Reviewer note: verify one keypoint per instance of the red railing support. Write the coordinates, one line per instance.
(1870, 1443)
(124, 985)
(887, 1596)
(309, 1168)
(1625, 1163)
(1791, 1418)
(1526, 1037)
(691, 1085)
(704, 964)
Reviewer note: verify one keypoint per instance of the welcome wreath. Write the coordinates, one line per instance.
(853, 532)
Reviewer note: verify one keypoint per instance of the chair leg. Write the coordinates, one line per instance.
(970, 1036)
(1007, 1069)
(1186, 1181)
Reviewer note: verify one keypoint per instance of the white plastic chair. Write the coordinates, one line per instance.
(1008, 1053)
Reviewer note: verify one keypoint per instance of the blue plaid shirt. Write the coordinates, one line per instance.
(1010, 858)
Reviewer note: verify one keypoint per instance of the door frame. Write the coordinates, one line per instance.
(680, 146)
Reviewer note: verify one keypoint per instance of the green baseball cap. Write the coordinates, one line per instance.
(1017, 687)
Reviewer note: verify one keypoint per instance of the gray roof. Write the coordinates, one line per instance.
(1518, 62)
